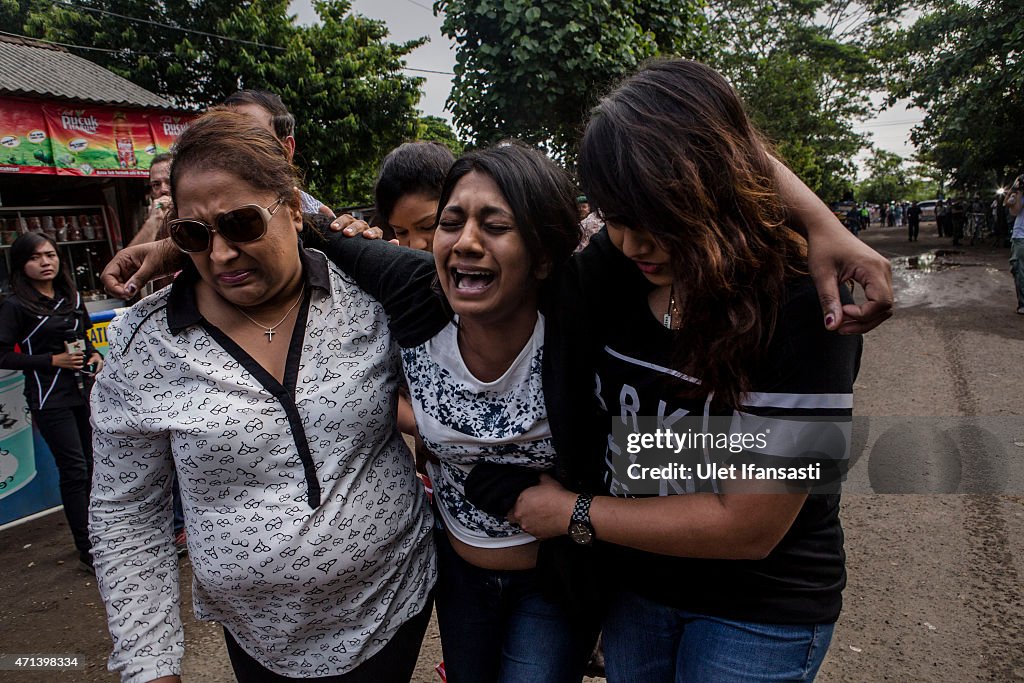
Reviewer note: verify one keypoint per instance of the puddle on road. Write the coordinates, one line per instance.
(932, 262)
(915, 282)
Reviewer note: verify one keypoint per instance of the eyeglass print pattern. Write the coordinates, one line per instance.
(303, 590)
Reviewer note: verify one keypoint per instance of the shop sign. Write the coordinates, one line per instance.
(99, 141)
(82, 140)
(24, 139)
(165, 129)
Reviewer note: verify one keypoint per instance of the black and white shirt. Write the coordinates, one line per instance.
(309, 534)
(462, 420)
(465, 422)
(803, 371)
(40, 337)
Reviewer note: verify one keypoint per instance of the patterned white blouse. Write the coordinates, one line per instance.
(308, 532)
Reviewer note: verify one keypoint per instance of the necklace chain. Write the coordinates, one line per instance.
(269, 331)
(671, 311)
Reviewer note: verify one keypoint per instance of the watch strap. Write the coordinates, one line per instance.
(581, 510)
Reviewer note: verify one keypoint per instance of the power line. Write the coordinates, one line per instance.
(428, 71)
(174, 28)
(81, 47)
(177, 28)
(888, 123)
(429, 9)
(162, 54)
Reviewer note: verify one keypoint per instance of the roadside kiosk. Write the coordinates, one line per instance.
(76, 142)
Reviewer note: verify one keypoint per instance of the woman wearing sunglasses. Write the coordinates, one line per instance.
(267, 380)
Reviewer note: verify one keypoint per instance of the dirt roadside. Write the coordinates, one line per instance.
(935, 581)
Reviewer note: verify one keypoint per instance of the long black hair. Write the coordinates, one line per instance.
(539, 192)
(21, 252)
(671, 150)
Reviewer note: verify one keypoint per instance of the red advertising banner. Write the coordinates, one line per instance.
(24, 140)
(83, 140)
(97, 140)
(165, 129)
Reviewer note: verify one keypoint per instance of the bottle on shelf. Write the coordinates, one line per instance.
(48, 228)
(74, 230)
(8, 230)
(88, 227)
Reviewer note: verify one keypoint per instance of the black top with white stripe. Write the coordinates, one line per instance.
(803, 371)
(40, 338)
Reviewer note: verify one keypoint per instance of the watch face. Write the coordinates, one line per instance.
(581, 533)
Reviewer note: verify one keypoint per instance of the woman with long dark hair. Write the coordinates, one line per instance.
(718, 578)
(43, 312)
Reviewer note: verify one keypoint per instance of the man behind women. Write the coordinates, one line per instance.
(160, 201)
(268, 109)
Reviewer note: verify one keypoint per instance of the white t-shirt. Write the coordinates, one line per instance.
(464, 421)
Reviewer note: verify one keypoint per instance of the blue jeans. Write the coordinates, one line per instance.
(177, 507)
(647, 642)
(496, 627)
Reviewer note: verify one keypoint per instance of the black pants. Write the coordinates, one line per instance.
(69, 435)
(394, 663)
(958, 223)
(913, 228)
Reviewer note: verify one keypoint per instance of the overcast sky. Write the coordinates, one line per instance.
(409, 19)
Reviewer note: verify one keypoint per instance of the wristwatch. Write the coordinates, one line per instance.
(581, 531)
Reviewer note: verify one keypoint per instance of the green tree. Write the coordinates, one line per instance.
(340, 77)
(436, 129)
(532, 70)
(805, 71)
(960, 61)
(888, 179)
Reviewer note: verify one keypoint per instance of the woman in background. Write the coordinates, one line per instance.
(43, 313)
(408, 187)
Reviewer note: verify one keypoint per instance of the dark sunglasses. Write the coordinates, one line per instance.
(245, 224)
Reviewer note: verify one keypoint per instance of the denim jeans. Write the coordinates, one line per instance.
(647, 642)
(1017, 268)
(177, 507)
(497, 627)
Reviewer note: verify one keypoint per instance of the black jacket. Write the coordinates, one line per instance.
(39, 337)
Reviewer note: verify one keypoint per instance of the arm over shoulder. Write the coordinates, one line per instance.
(401, 279)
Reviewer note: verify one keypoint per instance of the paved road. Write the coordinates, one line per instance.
(935, 589)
